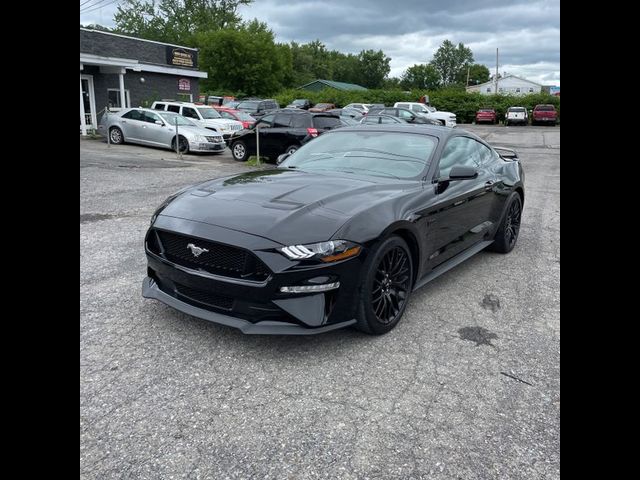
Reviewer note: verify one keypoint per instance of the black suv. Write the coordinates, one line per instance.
(280, 132)
(258, 107)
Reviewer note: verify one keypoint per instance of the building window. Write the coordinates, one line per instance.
(518, 90)
(530, 89)
(114, 98)
(488, 89)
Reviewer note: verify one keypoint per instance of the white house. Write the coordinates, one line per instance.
(507, 84)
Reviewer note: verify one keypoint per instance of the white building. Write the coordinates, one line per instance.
(508, 84)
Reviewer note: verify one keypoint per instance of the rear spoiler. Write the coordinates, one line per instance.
(507, 153)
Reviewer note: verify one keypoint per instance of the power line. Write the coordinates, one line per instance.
(85, 1)
(90, 6)
(93, 7)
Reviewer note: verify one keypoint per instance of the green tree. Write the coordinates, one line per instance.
(373, 68)
(176, 21)
(245, 59)
(421, 76)
(449, 60)
(477, 74)
(392, 83)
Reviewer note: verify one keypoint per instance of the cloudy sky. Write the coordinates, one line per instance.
(526, 32)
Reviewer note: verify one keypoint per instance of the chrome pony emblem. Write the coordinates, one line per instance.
(197, 251)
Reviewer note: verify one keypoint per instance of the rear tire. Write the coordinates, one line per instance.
(386, 287)
(239, 151)
(291, 149)
(116, 136)
(507, 234)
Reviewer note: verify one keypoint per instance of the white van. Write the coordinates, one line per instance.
(448, 119)
(204, 115)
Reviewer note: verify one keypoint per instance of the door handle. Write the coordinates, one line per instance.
(124, 121)
(488, 185)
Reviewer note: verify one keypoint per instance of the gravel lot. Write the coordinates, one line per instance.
(466, 387)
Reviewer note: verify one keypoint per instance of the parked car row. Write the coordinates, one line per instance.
(542, 114)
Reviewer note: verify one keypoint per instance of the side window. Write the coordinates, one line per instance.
(301, 121)
(282, 120)
(160, 106)
(459, 152)
(190, 113)
(404, 114)
(134, 115)
(484, 154)
(151, 117)
(173, 108)
(266, 121)
(386, 120)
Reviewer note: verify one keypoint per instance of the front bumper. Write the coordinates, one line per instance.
(254, 305)
(268, 327)
(207, 146)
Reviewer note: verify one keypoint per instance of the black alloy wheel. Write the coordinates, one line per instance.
(386, 287)
(507, 234)
(183, 145)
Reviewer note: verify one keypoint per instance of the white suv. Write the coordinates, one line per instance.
(447, 119)
(204, 115)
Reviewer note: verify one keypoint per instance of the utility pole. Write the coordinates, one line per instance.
(468, 68)
(496, 91)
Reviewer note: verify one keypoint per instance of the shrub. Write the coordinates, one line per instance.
(463, 104)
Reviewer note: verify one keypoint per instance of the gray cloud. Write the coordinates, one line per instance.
(526, 32)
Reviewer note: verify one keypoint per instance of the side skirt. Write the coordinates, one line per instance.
(452, 262)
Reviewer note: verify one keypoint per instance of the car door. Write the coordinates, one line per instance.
(192, 114)
(463, 212)
(154, 133)
(277, 137)
(264, 125)
(131, 124)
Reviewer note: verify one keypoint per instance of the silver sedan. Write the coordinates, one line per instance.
(158, 129)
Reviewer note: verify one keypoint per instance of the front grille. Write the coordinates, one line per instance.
(207, 298)
(214, 139)
(236, 127)
(215, 258)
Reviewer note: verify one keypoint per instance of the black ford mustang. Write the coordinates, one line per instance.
(339, 234)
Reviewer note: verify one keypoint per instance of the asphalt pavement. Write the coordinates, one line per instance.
(466, 387)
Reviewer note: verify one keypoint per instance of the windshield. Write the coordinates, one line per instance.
(248, 106)
(430, 109)
(244, 116)
(209, 113)
(545, 108)
(175, 118)
(386, 154)
(486, 110)
(516, 109)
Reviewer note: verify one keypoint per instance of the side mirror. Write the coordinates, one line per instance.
(282, 158)
(462, 173)
(159, 122)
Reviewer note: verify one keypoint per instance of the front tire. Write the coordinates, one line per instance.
(183, 145)
(386, 287)
(507, 233)
(239, 151)
(115, 136)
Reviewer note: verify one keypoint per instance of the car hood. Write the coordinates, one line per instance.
(286, 206)
(220, 122)
(196, 131)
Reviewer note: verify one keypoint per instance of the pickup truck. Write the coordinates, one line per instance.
(544, 114)
(515, 115)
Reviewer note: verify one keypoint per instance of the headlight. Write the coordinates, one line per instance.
(330, 251)
(200, 138)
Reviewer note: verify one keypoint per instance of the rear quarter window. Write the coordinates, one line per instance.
(160, 106)
(301, 121)
(173, 108)
(326, 122)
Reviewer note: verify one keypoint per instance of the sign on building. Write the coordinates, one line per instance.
(184, 84)
(181, 57)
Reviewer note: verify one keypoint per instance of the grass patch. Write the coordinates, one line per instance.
(252, 161)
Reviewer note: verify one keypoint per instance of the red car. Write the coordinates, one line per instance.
(233, 114)
(544, 114)
(486, 115)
